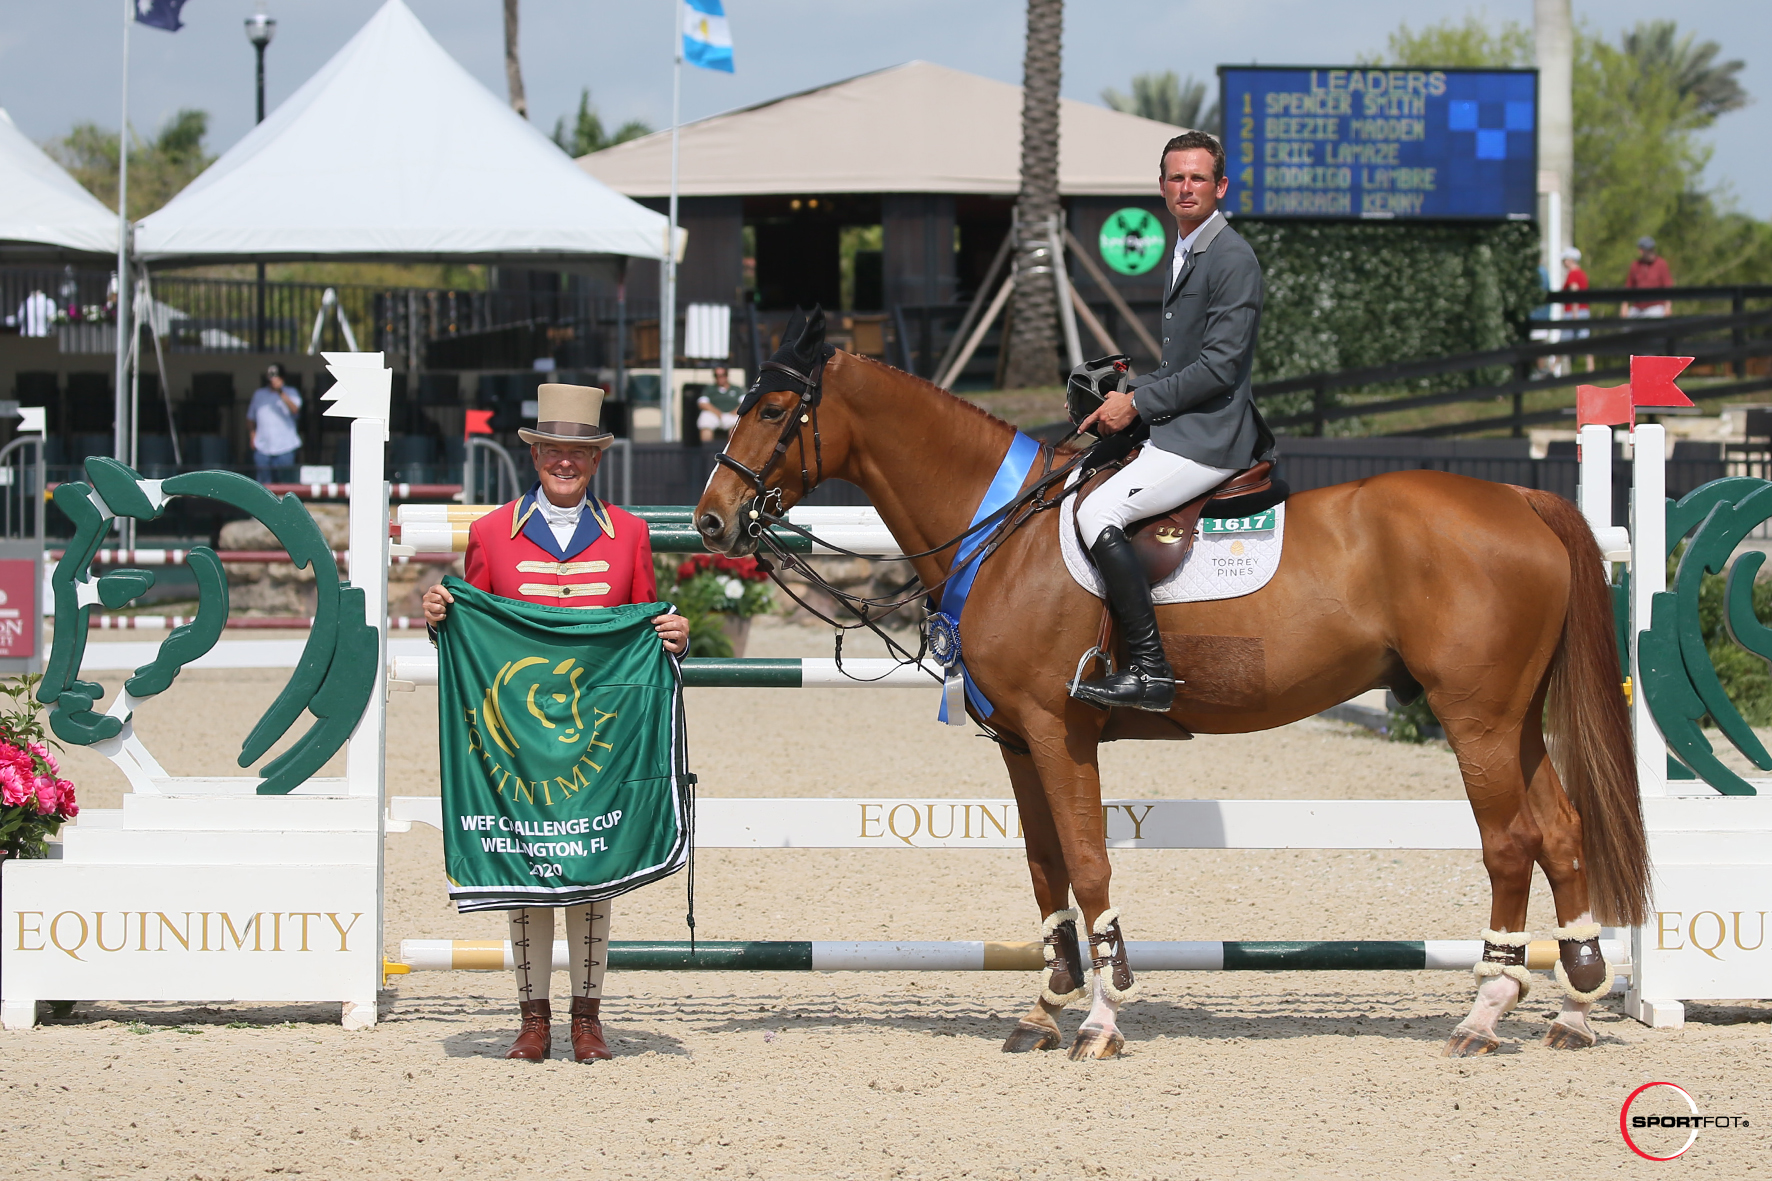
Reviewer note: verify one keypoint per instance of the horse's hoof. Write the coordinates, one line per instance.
(1026, 1037)
(1094, 1044)
(1562, 1036)
(1469, 1043)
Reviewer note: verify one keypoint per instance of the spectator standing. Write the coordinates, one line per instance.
(1575, 279)
(271, 418)
(1649, 269)
(36, 315)
(718, 406)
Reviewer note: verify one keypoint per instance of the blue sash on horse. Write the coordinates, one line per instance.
(1005, 485)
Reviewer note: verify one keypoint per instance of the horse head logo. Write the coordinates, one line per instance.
(541, 708)
(333, 680)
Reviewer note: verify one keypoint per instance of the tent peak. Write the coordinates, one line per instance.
(393, 150)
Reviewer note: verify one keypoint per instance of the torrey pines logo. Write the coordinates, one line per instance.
(540, 719)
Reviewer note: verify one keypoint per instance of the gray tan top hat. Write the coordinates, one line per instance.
(568, 414)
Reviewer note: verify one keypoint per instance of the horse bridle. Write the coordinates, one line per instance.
(806, 413)
(759, 516)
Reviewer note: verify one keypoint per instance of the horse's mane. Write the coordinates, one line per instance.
(925, 384)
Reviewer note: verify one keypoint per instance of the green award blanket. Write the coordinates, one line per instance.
(563, 752)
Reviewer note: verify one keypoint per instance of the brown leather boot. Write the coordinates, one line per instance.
(534, 1039)
(587, 1031)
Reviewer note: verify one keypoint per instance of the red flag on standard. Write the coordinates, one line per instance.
(1599, 406)
(1652, 381)
(1651, 385)
(479, 423)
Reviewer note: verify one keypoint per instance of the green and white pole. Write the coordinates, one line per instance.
(712, 672)
(1370, 955)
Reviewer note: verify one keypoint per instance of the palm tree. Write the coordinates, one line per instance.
(1710, 85)
(1033, 327)
(587, 135)
(1167, 99)
(514, 68)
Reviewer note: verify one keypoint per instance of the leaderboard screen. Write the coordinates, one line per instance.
(1350, 141)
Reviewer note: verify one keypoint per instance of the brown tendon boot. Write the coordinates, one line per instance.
(533, 1040)
(587, 1031)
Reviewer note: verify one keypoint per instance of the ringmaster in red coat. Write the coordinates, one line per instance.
(557, 544)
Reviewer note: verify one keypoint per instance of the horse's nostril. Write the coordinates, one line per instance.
(710, 524)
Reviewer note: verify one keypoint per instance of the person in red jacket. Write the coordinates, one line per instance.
(557, 544)
(1649, 269)
(1575, 279)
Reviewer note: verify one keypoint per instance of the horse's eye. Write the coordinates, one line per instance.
(771, 413)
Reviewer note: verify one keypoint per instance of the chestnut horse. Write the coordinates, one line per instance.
(1488, 597)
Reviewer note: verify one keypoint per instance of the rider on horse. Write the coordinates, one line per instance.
(1204, 427)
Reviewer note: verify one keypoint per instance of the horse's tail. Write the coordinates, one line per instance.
(1589, 726)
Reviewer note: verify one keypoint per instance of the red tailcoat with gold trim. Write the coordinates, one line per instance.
(607, 563)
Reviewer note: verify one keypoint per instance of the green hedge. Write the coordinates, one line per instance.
(1343, 295)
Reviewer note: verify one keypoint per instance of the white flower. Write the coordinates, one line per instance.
(732, 588)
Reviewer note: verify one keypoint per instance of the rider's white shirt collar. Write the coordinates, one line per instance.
(1184, 248)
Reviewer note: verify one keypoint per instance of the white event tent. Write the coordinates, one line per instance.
(394, 151)
(44, 213)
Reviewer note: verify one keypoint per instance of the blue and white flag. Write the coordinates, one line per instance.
(707, 42)
(161, 14)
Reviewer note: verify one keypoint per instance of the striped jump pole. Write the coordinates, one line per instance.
(1366, 955)
(274, 622)
(714, 672)
(177, 557)
(443, 528)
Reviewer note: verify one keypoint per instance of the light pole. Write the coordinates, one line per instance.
(259, 30)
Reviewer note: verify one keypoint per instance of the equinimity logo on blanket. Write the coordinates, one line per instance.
(1660, 1121)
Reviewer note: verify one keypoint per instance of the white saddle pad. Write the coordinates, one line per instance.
(1230, 558)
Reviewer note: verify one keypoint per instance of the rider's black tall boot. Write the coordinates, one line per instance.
(1147, 682)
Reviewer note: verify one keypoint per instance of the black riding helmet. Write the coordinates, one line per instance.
(1091, 383)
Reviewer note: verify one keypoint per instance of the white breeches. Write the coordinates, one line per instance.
(1153, 483)
(587, 947)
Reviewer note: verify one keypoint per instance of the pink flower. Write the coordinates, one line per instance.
(41, 750)
(48, 796)
(69, 809)
(14, 788)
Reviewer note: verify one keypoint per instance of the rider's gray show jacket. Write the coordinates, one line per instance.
(1198, 402)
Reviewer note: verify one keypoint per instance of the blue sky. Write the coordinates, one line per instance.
(58, 60)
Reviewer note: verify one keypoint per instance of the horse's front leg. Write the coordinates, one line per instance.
(1063, 980)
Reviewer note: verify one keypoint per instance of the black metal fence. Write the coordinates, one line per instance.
(1735, 343)
(36, 300)
(1308, 463)
(427, 327)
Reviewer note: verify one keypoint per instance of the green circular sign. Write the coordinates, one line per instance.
(1132, 240)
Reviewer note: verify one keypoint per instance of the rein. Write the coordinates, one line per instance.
(1003, 523)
